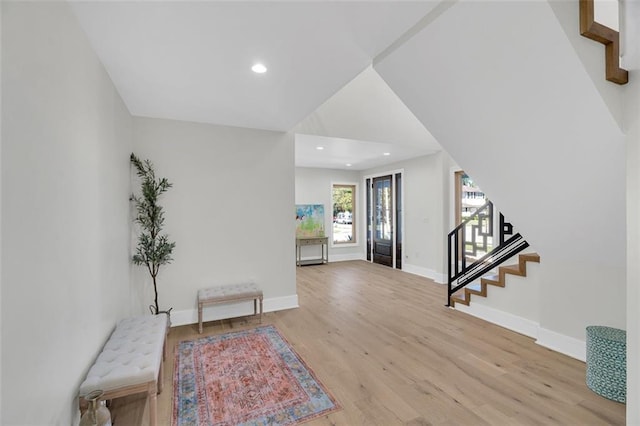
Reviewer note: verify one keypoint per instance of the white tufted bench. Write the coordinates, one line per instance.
(229, 294)
(130, 362)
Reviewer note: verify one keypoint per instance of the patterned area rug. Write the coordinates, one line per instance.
(250, 377)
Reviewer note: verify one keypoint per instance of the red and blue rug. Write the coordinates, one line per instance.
(250, 377)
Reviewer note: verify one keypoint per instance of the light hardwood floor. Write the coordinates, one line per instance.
(387, 348)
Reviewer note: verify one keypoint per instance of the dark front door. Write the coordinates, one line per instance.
(383, 220)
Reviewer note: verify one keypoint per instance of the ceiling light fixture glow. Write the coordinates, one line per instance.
(348, 164)
(319, 148)
(386, 154)
(259, 68)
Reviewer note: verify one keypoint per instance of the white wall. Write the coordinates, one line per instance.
(313, 186)
(66, 138)
(0, 218)
(524, 119)
(632, 129)
(606, 13)
(630, 24)
(425, 185)
(230, 211)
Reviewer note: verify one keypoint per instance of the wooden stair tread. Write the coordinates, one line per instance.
(459, 297)
(459, 294)
(609, 37)
(530, 257)
(514, 268)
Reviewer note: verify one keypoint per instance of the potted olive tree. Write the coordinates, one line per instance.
(154, 248)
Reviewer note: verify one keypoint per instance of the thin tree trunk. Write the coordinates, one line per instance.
(155, 289)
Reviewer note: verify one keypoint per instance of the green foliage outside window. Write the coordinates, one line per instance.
(342, 199)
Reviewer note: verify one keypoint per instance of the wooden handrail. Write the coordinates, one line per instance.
(609, 37)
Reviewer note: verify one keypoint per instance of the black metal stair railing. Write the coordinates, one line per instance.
(468, 239)
(471, 250)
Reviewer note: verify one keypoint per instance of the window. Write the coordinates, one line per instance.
(344, 213)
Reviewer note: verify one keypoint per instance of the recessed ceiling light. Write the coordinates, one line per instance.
(319, 148)
(348, 164)
(259, 68)
(386, 153)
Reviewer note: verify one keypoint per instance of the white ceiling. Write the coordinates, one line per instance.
(358, 125)
(338, 152)
(191, 61)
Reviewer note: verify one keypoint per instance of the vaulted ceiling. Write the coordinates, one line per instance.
(191, 60)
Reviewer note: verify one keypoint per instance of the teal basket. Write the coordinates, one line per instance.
(607, 362)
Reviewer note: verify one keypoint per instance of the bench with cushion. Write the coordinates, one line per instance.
(229, 294)
(130, 362)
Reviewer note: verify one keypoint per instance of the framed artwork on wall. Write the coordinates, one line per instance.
(309, 220)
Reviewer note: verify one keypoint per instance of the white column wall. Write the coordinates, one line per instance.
(632, 128)
(631, 61)
(66, 139)
(0, 218)
(230, 212)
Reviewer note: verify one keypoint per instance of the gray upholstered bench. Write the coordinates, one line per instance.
(130, 362)
(229, 294)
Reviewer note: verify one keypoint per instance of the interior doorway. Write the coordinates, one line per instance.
(384, 219)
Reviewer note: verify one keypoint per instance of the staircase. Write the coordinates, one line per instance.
(473, 255)
(609, 37)
(499, 280)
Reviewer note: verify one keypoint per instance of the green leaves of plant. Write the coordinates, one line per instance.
(154, 249)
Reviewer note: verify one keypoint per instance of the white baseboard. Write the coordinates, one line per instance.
(346, 257)
(281, 303)
(424, 272)
(570, 346)
(232, 310)
(504, 319)
(566, 345)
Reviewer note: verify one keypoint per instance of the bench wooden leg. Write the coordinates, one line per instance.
(200, 318)
(164, 348)
(84, 405)
(261, 310)
(153, 408)
(161, 377)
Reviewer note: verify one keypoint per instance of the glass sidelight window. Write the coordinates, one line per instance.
(344, 213)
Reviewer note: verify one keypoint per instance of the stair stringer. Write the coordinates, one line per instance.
(497, 280)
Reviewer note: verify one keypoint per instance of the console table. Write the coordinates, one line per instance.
(312, 241)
